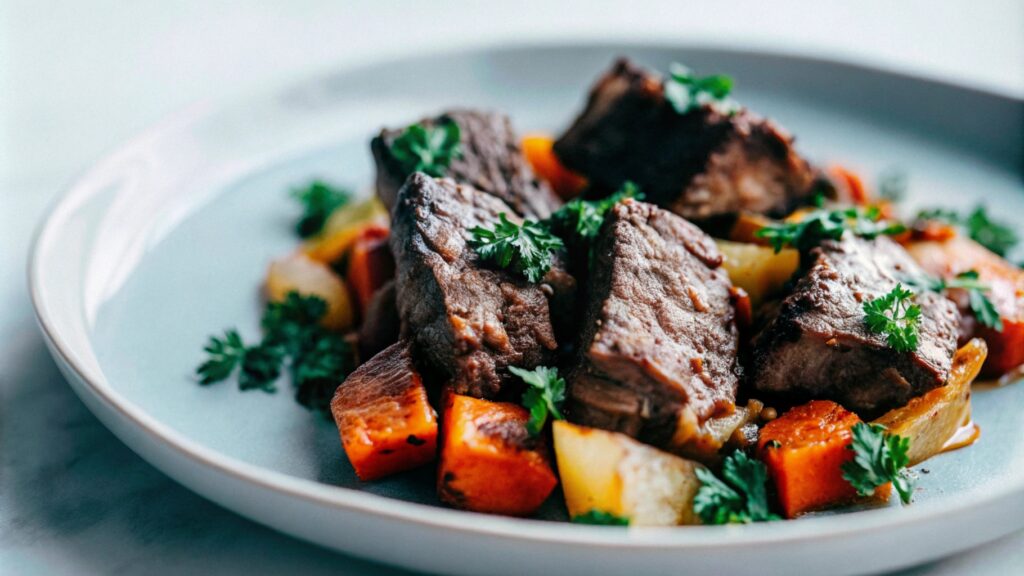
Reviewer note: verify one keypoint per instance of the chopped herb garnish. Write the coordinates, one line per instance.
(820, 225)
(896, 316)
(524, 248)
(997, 237)
(740, 499)
(544, 396)
(428, 149)
(223, 355)
(773, 444)
(879, 458)
(600, 518)
(686, 91)
(319, 199)
(318, 359)
(982, 307)
(892, 185)
(580, 220)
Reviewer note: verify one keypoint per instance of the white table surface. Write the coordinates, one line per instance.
(76, 78)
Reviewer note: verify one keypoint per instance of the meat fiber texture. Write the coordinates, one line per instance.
(819, 346)
(709, 163)
(490, 160)
(467, 321)
(658, 352)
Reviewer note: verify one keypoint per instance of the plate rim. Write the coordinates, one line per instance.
(340, 498)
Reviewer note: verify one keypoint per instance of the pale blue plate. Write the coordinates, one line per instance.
(167, 241)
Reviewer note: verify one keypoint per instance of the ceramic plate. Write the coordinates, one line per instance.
(167, 240)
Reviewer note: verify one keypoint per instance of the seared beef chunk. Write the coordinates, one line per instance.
(819, 346)
(659, 342)
(704, 164)
(467, 322)
(490, 161)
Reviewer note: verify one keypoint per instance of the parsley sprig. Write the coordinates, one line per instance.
(896, 316)
(579, 221)
(319, 199)
(740, 499)
(879, 458)
(820, 225)
(544, 397)
(997, 237)
(686, 91)
(525, 248)
(982, 307)
(600, 518)
(318, 359)
(427, 148)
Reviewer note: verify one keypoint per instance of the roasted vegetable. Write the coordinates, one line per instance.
(298, 273)
(370, 265)
(929, 421)
(805, 450)
(1005, 282)
(758, 269)
(386, 423)
(489, 462)
(538, 151)
(343, 227)
(610, 473)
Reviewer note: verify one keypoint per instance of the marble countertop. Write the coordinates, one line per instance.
(78, 78)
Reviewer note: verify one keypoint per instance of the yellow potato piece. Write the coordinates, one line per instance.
(299, 273)
(932, 419)
(611, 472)
(343, 227)
(758, 269)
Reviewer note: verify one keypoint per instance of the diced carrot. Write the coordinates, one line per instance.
(539, 152)
(932, 230)
(851, 185)
(746, 227)
(805, 449)
(370, 264)
(489, 463)
(950, 257)
(386, 422)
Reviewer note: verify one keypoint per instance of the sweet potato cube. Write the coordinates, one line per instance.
(805, 449)
(386, 423)
(489, 463)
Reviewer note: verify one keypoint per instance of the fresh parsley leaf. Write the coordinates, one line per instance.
(318, 359)
(544, 396)
(879, 458)
(580, 220)
(686, 91)
(319, 199)
(224, 354)
(261, 367)
(993, 235)
(820, 225)
(740, 499)
(429, 149)
(892, 185)
(896, 316)
(600, 518)
(997, 237)
(524, 248)
(982, 307)
(317, 371)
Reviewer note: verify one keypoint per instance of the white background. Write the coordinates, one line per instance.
(76, 78)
